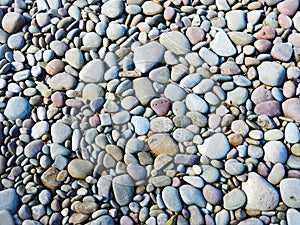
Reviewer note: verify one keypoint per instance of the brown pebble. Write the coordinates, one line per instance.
(55, 66)
(266, 33)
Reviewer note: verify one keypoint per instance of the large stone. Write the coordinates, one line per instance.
(291, 109)
(92, 72)
(9, 200)
(176, 42)
(271, 73)
(171, 199)
(144, 90)
(261, 195)
(12, 22)
(62, 82)
(163, 144)
(112, 8)
(148, 56)
(290, 192)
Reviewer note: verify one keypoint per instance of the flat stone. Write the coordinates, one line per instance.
(277, 174)
(170, 196)
(234, 167)
(222, 217)
(195, 34)
(288, 7)
(103, 220)
(91, 40)
(187, 160)
(169, 13)
(236, 20)
(55, 66)
(160, 181)
(291, 133)
(196, 103)
(145, 62)
(190, 80)
(141, 125)
(39, 129)
(121, 117)
(161, 125)
(212, 194)
(174, 92)
(240, 127)
(6, 218)
(234, 199)
(163, 144)
(60, 132)
(290, 192)
(294, 39)
(213, 150)
(136, 171)
(123, 189)
(241, 38)
(17, 107)
(79, 168)
(75, 58)
(9, 200)
(33, 148)
(191, 195)
(151, 8)
(92, 72)
(251, 221)
(144, 90)
(12, 22)
(176, 42)
(103, 185)
(261, 195)
(291, 109)
(261, 94)
(209, 56)
(112, 9)
(62, 82)
(266, 33)
(160, 75)
(263, 46)
(282, 51)
(271, 108)
(275, 152)
(292, 216)
(238, 96)
(289, 89)
(230, 68)
(49, 178)
(271, 73)
(92, 91)
(222, 45)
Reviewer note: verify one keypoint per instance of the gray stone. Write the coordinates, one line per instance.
(75, 58)
(210, 174)
(161, 125)
(271, 73)
(6, 218)
(60, 132)
(174, 92)
(234, 199)
(261, 195)
(275, 152)
(222, 217)
(62, 82)
(91, 40)
(182, 135)
(123, 189)
(17, 107)
(9, 200)
(192, 196)
(45, 197)
(160, 75)
(92, 72)
(290, 192)
(171, 199)
(238, 96)
(115, 31)
(136, 171)
(144, 90)
(234, 167)
(292, 216)
(291, 133)
(15, 41)
(209, 57)
(176, 42)
(277, 174)
(103, 220)
(190, 80)
(222, 45)
(251, 221)
(121, 117)
(236, 20)
(215, 147)
(79, 168)
(39, 129)
(141, 124)
(12, 22)
(196, 103)
(113, 8)
(33, 148)
(147, 56)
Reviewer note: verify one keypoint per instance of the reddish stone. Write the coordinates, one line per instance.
(266, 33)
(160, 106)
(289, 89)
(291, 109)
(230, 68)
(271, 108)
(169, 13)
(195, 34)
(261, 94)
(212, 194)
(55, 66)
(58, 99)
(263, 46)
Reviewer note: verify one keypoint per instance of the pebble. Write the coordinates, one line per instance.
(114, 31)
(123, 189)
(160, 106)
(282, 51)
(222, 45)
(17, 107)
(237, 96)
(33, 148)
(171, 198)
(277, 71)
(55, 66)
(277, 174)
(12, 22)
(271, 108)
(74, 58)
(261, 195)
(195, 34)
(62, 81)
(291, 109)
(6, 218)
(162, 144)
(251, 221)
(60, 132)
(213, 151)
(289, 192)
(234, 199)
(79, 168)
(10, 200)
(112, 9)
(292, 216)
(288, 7)
(15, 41)
(212, 194)
(261, 94)
(92, 72)
(236, 20)
(291, 133)
(174, 92)
(151, 8)
(196, 103)
(91, 40)
(141, 125)
(175, 42)
(230, 68)
(209, 57)
(275, 152)
(265, 33)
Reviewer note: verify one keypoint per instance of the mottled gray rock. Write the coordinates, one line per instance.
(17, 107)
(176, 42)
(123, 189)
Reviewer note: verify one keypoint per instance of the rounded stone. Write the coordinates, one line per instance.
(17, 107)
(290, 192)
(12, 22)
(79, 168)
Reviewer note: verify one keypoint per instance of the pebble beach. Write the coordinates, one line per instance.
(140, 112)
